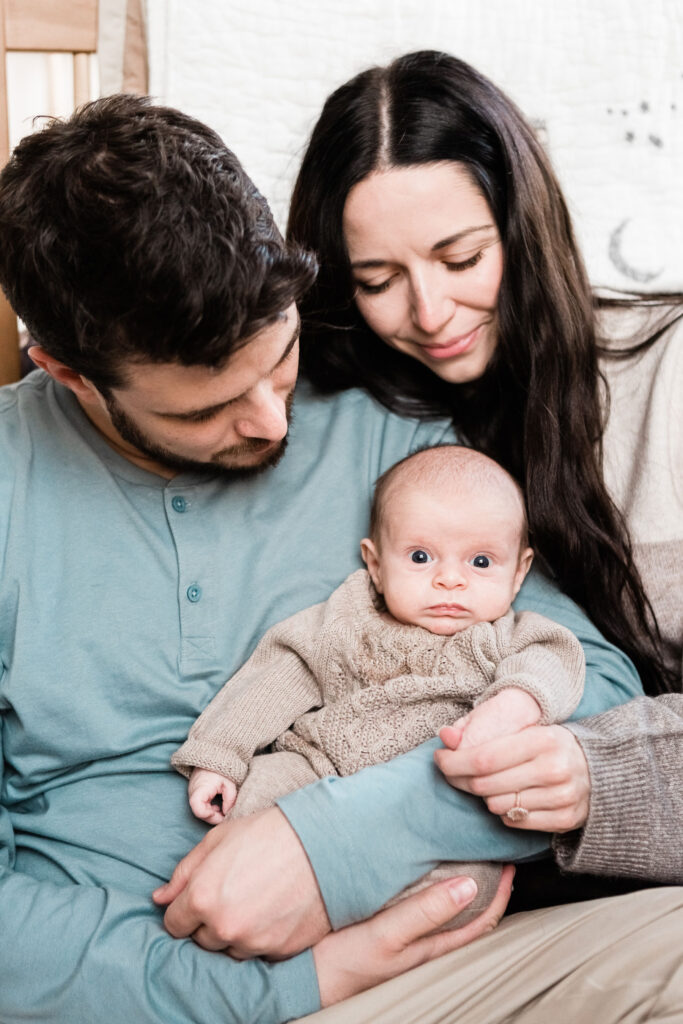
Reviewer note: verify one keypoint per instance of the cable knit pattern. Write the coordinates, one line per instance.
(344, 687)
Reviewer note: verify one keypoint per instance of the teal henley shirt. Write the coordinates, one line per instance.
(126, 601)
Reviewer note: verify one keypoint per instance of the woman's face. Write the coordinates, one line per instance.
(427, 262)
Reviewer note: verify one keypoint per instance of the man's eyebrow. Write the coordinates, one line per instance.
(443, 244)
(209, 410)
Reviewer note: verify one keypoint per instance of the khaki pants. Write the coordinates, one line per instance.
(598, 962)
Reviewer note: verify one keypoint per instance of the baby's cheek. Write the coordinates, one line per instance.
(500, 597)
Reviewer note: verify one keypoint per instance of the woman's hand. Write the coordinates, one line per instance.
(402, 937)
(541, 769)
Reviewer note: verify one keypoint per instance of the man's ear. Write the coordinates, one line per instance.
(371, 558)
(81, 387)
(525, 560)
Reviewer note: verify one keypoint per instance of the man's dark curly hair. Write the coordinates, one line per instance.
(130, 233)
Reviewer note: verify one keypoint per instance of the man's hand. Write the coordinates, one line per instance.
(543, 768)
(248, 888)
(402, 937)
(203, 789)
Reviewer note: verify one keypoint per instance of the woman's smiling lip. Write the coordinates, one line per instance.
(454, 347)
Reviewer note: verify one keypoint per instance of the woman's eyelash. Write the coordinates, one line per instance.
(377, 289)
(373, 289)
(466, 264)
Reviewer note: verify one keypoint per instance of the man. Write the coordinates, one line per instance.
(154, 523)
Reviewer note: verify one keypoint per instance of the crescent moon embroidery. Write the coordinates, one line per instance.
(614, 252)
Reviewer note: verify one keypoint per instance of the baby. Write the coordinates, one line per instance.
(423, 637)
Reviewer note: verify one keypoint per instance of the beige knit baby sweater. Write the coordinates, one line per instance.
(345, 688)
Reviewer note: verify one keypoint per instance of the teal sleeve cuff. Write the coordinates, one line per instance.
(370, 835)
(296, 984)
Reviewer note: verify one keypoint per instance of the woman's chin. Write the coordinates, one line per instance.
(459, 369)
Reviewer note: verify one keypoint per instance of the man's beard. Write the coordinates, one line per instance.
(133, 435)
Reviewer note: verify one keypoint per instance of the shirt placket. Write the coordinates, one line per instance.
(196, 578)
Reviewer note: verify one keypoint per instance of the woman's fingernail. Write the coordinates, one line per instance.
(464, 889)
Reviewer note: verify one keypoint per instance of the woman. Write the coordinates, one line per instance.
(451, 284)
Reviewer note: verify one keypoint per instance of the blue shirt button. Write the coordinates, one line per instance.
(179, 503)
(194, 592)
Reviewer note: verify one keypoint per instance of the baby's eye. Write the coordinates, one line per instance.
(420, 556)
(481, 562)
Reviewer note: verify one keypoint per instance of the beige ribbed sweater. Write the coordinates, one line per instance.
(345, 688)
(643, 462)
(635, 751)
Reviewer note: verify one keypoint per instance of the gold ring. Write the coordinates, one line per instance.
(517, 812)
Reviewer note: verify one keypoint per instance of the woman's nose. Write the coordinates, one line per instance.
(432, 307)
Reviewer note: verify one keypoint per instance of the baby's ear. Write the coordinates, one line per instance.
(525, 560)
(370, 556)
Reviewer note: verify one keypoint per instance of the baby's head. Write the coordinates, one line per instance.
(448, 539)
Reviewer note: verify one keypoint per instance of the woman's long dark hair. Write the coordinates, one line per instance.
(537, 409)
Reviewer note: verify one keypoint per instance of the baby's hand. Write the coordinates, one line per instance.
(508, 712)
(204, 787)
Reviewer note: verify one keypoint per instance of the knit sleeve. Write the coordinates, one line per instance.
(271, 690)
(635, 758)
(542, 658)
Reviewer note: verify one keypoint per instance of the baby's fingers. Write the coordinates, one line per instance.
(202, 806)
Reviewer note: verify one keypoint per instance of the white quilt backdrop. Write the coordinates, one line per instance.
(601, 79)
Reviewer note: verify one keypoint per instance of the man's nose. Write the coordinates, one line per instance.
(266, 416)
